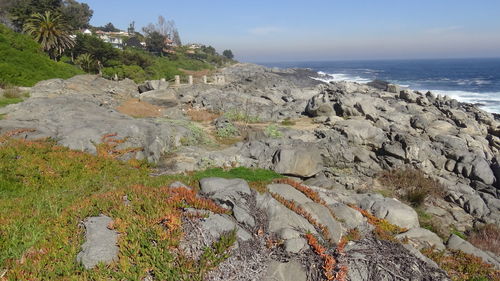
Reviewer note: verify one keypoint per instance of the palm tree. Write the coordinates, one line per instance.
(86, 62)
(51, 32)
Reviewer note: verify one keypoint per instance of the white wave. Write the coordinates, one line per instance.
(489, 101)
(336, 77)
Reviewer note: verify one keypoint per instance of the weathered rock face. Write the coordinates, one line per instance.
(101, 243)
(457, 243)
(298, 161)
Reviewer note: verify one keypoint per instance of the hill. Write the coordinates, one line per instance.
(22, 62)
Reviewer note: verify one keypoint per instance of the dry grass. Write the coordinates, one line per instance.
(410, 185)
(201, 115)
(487, 238)
(140, 109)
(12, 93)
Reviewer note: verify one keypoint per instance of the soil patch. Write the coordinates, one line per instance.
(140, 109)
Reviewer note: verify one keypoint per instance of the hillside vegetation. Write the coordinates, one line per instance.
(23, 63)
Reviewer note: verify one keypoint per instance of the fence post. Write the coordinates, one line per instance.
(190, 79)
(205, 80)
(177, 80)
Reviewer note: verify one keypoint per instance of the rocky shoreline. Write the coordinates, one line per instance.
(335, 138)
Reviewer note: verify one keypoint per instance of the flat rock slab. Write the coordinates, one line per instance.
(291, 271)
(100, 243)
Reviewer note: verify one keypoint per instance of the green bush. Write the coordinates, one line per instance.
(22, 63)
(133, 72)
(228, 131)
(273, 131)
(248, 174)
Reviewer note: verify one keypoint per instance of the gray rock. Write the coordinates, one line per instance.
(422, 238)
(225, 186)
(289, 193)
(361, 132)
(321, 214)
(295, 245)
(297, 161)
(349, 217)
(457, 243)
(290, 271)
(392, 210)
(391, 88)
(165, 98)
(481, 171)
(217, 225)
(101, 243)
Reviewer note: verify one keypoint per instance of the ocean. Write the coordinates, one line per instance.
(467, 80)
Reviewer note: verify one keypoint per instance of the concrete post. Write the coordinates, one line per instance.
(163, 80)
(177, 80)
(190, 79)
(205, 80)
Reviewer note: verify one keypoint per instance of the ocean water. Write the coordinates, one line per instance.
(467, 80)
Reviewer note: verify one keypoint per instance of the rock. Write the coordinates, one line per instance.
(217, 225)
(408, 96)
(224, 186)
(289, 193)
(422, 238)
(297, 161)
(165, 98)
(350, 217)
(281, 218)
(391, 88)
(379, 84)
(101, 243)
(361, 132)
(321, 214)
(392, 210)
(295, 245)
(290, 271)
(153, 85)
(457, 243)
(481, 171)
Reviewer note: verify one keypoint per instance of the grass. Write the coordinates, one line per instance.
(463, 267)
(410, 185)
(273, 131)
(241, 116)
(487, 238)
(46, 190)
(22, 62)
(7, 101)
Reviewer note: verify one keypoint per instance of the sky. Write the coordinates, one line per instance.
(317, 30)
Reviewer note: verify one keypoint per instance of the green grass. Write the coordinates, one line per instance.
(247, 174)
(22, 62)
(7, 101)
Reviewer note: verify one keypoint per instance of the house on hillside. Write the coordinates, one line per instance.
(169, 46)
(114, 38)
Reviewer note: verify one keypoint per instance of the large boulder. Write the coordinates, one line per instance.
(361, 132)
(163, 97)
(391, 210)
(297, 161)
(422, 238)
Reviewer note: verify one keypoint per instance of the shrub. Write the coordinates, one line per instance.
(461, 266)
(411, 185)
(287, 122)
(487, 238)
(228, 131)
(273, 131)
(247, 174)
(12, 93)
(133, 72)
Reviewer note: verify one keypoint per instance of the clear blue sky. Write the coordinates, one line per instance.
(298, 30)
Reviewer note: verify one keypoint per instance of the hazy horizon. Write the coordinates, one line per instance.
(280, 30)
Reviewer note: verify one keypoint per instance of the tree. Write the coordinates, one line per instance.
(51, 32)
(22, 10)
(98, 49)
(155, 42)
(77, 15)
(165, 28)
(86, 63)
(228, 54)
(109, 27)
